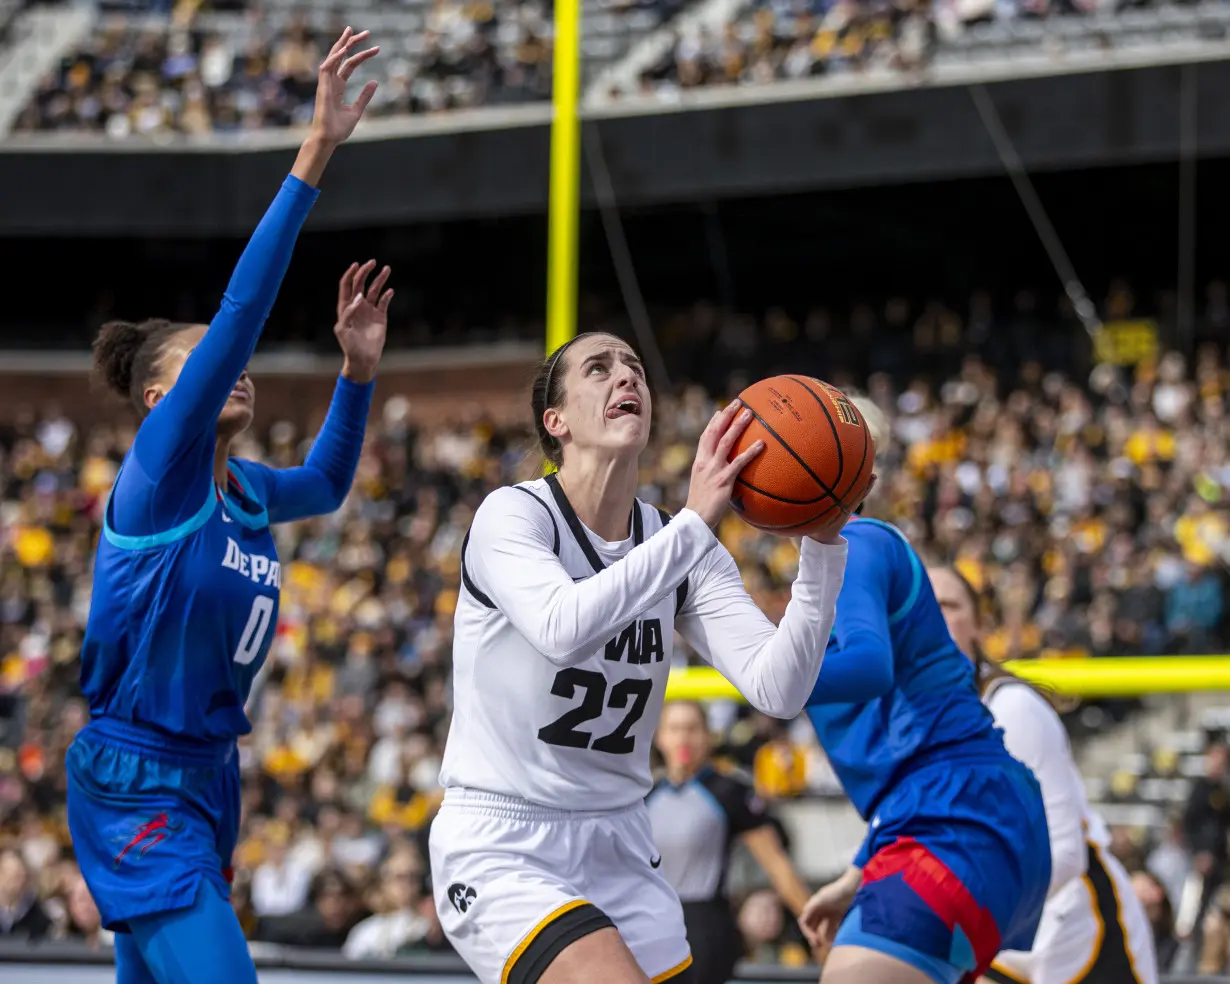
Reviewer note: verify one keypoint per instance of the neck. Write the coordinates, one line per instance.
(681, 772)
(602, 492)
(222, 452)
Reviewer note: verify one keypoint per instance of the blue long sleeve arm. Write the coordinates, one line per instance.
(858, 665)
(173, 450)
(320, 485)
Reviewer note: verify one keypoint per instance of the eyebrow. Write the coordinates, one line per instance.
(608, 355)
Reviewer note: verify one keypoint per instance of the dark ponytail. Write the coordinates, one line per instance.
(126, 356)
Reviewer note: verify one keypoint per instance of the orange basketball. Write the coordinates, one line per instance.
(817, 462)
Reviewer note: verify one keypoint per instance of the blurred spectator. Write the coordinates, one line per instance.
(1215, 949)
(1170, 863)
(84, 922)
(326, 920)
(398, 922)
(280, 884)
(1206, 821)
(1153, 897)
(21, 913)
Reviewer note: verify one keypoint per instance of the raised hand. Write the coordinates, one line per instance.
(362, 319)
(333, 120)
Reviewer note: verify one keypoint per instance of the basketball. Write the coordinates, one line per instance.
(817, 462)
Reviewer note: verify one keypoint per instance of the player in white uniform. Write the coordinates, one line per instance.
(542, 858)
(1094, 929)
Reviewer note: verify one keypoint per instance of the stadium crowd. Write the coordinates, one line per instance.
(1089, 511)
(137, 77)
(190, 73)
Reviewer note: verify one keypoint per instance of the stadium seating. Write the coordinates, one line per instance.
(226, 70)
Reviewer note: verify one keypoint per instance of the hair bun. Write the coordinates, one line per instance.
(115, 351)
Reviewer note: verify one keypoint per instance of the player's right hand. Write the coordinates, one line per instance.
(713, 472)
(826, 909)
(333, 120)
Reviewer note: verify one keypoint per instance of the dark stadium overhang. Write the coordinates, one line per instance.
(718, 144)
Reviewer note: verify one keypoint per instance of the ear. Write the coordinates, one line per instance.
(152, 395)
(554, 423)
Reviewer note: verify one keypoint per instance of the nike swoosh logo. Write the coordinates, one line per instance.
(576, 579)
(655, 862)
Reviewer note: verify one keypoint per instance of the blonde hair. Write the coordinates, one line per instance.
(877, 421)
(881, 434)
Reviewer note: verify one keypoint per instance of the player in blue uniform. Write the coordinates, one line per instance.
(956, 862)
(186, 584)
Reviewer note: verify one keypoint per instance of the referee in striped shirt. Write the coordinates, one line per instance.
(698, 814)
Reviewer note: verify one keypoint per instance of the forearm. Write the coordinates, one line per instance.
(786, 881)
(321, 484)
(566, 621)
(335, 452)
(312, 159)
(782, 671)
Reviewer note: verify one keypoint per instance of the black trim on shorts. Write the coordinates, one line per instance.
(681, 592)
(552, 940)
(999, 977)
(1113, 963)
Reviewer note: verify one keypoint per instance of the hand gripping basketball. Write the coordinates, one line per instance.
(713, 471)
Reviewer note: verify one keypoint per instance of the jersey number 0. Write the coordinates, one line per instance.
(631, 693)
(254, 631)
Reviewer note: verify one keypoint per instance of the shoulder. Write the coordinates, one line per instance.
(727, 783)
(521, 503)
(873, 534)
(1018, 697)
(1017, 706)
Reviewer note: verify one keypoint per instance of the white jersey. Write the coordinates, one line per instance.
(562, 644)
(1092, 918)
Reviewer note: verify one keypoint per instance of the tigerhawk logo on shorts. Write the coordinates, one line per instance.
(461, 896)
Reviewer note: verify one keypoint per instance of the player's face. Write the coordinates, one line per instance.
(958, 609)
(683, 736)
(607, 402)
(236, 416)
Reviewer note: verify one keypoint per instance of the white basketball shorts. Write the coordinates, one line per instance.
(1093, 930)
(516, 883)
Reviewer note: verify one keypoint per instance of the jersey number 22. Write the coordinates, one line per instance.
(631, 693)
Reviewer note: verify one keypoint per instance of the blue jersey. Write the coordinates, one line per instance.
(894, 687)
(187, 577)
(956, 827)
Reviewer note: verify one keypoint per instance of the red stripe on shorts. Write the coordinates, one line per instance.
(943, 892)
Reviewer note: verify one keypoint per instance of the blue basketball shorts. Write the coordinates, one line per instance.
(151, 818)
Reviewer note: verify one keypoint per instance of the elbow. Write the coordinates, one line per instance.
(775, 704)
(1068, 863)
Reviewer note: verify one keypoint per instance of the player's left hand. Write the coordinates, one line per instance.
(362, 320)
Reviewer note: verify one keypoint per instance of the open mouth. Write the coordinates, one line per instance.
(625, 408)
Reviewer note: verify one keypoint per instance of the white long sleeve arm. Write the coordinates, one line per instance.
(1034, 735)
(511, 560)
(774, 667)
